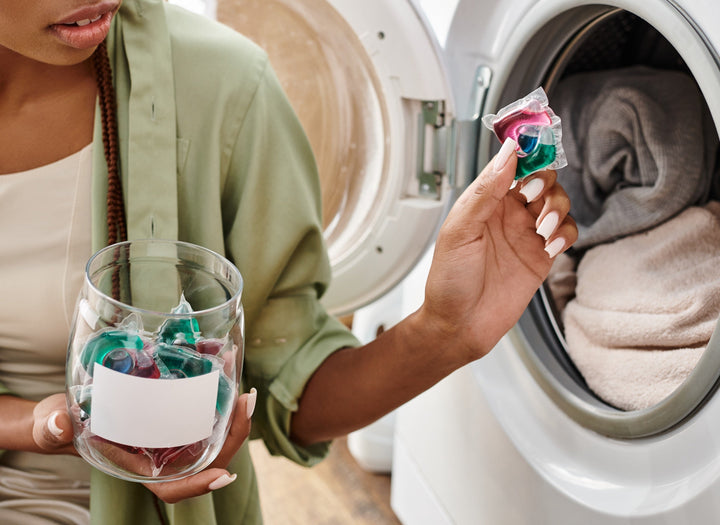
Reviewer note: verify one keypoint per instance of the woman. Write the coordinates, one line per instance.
(203, 146)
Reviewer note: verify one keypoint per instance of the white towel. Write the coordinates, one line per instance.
(645, 308)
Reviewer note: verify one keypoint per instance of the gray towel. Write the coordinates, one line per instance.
(640, 149)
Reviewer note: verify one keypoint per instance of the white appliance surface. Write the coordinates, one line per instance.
(488, 445)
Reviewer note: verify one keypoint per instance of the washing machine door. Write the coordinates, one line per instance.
(368, 84)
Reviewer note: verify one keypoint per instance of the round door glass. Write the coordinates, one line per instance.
(331, 83)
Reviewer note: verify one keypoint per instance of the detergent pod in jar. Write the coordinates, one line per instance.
(154, 359)
(536, 129)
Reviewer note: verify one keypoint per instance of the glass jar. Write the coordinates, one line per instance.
(154, 359)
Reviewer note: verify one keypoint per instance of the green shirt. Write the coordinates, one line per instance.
(212, 153)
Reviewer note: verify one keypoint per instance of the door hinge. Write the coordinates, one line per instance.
(432, 148)
(448, 147)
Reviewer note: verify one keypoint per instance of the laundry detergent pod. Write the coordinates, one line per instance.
(184, 328)
(111, 348)
(533, 125)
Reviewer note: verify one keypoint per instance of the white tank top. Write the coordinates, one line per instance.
(45, 241)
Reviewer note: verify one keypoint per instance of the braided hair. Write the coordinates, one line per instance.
(117, 231)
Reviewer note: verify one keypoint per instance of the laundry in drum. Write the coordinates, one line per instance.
(178, 350)
(536, 129)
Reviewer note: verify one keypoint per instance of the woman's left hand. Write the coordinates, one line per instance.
(215, 476)
(493, 252)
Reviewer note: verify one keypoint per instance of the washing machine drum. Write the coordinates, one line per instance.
(621, 334)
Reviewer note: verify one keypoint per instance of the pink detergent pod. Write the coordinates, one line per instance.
(531, 123)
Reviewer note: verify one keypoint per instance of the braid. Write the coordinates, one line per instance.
(117, 231)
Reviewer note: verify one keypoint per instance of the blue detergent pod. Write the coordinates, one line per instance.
(120, 360)
(98, 347)
(538, 147)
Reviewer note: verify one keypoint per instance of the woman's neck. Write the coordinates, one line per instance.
(25, 79)
(46, 111)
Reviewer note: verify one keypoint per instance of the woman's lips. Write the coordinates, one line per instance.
(86, 28)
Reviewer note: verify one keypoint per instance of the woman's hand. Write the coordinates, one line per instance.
(493, 252)
(52, 429)
(215, 476)
(53, 434)
(491, 255)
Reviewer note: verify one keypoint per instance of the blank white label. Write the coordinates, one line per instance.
(152, 413)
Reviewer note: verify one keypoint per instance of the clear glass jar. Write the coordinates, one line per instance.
(154, 359)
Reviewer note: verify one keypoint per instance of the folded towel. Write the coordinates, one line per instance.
(640, 147)
(645, 307)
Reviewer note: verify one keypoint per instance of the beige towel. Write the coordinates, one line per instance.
(562, 281)
(645, 308)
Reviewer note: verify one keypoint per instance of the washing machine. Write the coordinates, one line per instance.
(517, 437)
(392, 108)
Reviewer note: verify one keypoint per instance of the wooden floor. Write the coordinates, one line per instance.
(335, 492)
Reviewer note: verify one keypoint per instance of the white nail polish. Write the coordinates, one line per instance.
(502, 157)
(222, 481)
(53, 427)
(548, 224)
(555, 247)
(533, 189)
(252, 399)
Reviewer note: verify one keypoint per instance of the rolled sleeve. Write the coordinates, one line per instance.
(290, 342)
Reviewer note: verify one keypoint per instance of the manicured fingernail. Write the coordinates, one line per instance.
(53, 427)
(533, 189)
(222, 481)
(555, 247)
(251, 400)
(548, 224)
(502, 157)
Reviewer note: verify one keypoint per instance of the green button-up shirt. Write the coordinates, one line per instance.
(213, 154)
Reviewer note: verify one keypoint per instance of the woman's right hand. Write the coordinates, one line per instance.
(216, 475)
(52, 428)
(53, 434)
